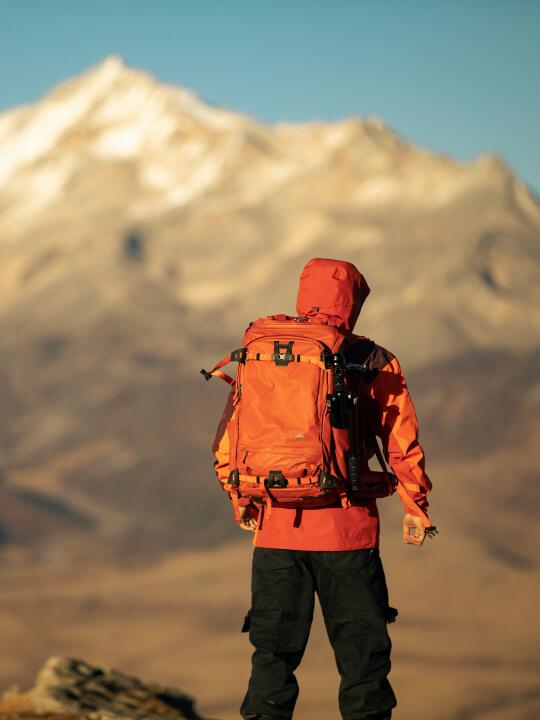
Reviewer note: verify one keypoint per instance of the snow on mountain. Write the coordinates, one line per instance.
(229, 200)
(119, 111)
(175, 148)
(111, 113)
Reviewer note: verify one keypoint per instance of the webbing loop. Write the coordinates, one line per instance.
(236, 508)
(238, 355)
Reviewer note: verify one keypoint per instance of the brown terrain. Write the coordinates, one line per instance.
(141, 229)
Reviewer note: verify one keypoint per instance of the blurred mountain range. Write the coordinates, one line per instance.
(141, 229)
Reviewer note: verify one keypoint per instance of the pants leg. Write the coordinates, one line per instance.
(354, 599)
(282, 599)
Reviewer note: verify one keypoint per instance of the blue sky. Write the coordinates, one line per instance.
(460, 77)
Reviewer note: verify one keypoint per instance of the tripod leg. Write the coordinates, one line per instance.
(352, 416)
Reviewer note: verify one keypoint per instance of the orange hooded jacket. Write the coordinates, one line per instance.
(334, 291)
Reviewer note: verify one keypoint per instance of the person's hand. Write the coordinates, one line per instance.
(414, 531)
(247, 521)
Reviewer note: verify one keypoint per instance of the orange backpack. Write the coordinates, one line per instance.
(292, 423)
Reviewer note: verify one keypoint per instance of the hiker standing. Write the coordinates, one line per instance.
(292, 452)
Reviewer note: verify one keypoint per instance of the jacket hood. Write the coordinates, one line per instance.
(331, 291)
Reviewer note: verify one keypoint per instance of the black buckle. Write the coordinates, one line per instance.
(239, 355)
(287, 357)
(326, 481)
(359, 367)
(333, 361)
(276, 479)
(207, 375)
(234, 478)
(326, 358)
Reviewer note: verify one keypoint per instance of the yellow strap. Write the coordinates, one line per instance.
(415, 487)
(253, 478)
(259, 517)
(223, 376)
(345, 502)
(303, 358)
(236, 509)
(216, 372)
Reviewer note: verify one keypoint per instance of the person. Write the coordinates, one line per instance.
(332, 551)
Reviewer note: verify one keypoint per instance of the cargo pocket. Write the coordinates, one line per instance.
(247, 622)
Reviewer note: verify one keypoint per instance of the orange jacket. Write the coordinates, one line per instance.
(339, 291)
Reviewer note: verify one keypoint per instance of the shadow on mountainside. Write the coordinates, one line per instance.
(134, 476)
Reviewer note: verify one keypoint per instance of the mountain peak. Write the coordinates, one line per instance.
(177, 147)
(112, 62)
(111, 66)
(111, 110)
(107, 77)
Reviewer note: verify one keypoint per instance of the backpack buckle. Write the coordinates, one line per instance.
(234, 478)
(287, 357)
(276, 479)
(326, 481)
(239, 355)
(327, 358)
(359, 367)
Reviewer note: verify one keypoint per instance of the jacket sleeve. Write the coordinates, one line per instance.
(397, 425)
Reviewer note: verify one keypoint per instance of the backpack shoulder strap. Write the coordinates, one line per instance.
(357, 349)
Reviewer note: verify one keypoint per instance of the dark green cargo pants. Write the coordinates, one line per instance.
(353, 595)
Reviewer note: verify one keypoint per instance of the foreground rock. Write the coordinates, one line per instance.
(68, 688)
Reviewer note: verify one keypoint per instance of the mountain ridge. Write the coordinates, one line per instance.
(146, 114)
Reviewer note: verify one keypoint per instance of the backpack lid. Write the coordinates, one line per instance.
(332, 292)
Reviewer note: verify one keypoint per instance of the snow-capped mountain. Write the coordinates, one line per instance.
(230, 202)
(141, 229)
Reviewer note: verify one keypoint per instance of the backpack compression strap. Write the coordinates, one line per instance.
(241, 355)
(216, 372)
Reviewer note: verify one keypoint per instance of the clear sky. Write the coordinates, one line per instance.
(460, 77)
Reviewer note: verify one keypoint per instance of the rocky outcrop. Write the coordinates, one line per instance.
(72, 689)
